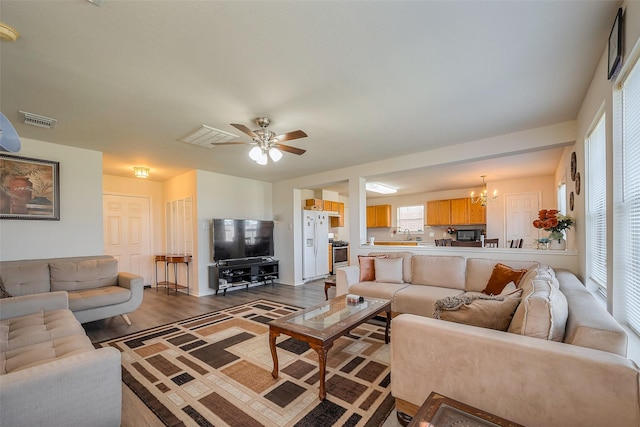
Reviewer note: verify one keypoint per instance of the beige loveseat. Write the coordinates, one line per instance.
(581, 378)
(96, 289)
(50, 373)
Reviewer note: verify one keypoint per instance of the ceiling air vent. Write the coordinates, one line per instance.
(205, 136)
(39, 121)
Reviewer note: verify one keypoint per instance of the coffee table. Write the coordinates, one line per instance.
(320, 325)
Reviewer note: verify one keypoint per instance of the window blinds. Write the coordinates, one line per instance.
(597, 205)
(627, 206)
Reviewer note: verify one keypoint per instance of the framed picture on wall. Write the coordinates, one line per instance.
(29, 188)
(615, 46)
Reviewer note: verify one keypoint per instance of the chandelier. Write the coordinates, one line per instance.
(482, 197)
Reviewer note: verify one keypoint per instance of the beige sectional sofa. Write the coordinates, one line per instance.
(50, 373)
(96, 289)
(562, 361)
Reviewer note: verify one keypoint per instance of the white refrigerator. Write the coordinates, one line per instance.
(315, 246)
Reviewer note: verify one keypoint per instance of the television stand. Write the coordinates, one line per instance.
(242, 273)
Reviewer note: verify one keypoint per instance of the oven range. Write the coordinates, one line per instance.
(340, 255)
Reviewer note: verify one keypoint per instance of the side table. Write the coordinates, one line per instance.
(442, 411)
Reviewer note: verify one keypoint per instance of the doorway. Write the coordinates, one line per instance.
(520, 211)
(127, 233)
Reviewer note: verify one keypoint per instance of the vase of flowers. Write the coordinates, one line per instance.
(550, 220)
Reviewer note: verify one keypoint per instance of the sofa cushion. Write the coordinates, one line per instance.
(406, 262)
(367, 267)
(500, 277)
(98, 297)
(420, 300)
(25, 278)
(544, 310)
(479, 271)
(388, 270)
(442, 271)
(378, 290)
(84, 274)
(478, 309)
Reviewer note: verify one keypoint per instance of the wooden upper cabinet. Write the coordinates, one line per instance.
(338, 221)
(477, 213)
(439, 212)
(460, 211)
(378, 216)
(316, 204)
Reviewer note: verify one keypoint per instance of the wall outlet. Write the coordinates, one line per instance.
(432, 234)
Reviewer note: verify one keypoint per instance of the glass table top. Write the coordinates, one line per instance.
(333, 312)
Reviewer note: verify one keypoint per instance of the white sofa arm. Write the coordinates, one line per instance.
(75, 390)
(526, 380)
(345, 277)
(29, 304)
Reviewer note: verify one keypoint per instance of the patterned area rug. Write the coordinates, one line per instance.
(215, 370)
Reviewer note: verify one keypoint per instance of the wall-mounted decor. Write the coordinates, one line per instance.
(29, 188)
(571, 201)
(615, 46)
(577, 183)
(574, 166)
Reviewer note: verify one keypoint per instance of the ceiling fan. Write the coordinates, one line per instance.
(267, 142)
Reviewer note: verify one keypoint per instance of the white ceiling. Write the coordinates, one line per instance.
(366, 80)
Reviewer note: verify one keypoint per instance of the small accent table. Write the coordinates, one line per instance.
(329, 283)
(320, 325)
(442, 411)
(175, 260)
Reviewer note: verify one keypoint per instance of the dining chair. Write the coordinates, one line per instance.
(516, 243)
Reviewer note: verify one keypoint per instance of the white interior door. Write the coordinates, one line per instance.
(521, 210)
(127, 233)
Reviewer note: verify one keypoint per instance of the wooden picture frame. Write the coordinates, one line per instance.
(615, 46)
(29, 188)
(578, 183)
(574, 166)
(571, 201)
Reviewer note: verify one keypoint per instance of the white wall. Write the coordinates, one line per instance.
(224, 196)
(79, 231)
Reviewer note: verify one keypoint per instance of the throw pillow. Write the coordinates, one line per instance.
(509, 289)
(367, 267)
(3, 291)
(477, 309)
(388, 270)
(500, 277)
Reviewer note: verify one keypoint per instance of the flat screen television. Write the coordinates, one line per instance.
(241, 238)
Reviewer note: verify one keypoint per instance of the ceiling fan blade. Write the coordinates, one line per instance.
(244, 129)
(290, 149)
(291, 135)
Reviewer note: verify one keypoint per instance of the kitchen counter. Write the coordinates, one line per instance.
(398, 243)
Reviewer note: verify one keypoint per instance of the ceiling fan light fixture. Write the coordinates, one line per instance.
(275, 154)
(262, 160)
(255, 153)
(8, 33)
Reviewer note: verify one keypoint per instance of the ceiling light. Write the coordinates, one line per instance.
(482, 197)
(262, 160)
(376, 187)
(141, 172)
(255, 153)
(8, 33)
(205, 136)
(275, 154)
(39, 121)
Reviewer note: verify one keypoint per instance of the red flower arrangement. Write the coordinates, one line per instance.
(549, 220)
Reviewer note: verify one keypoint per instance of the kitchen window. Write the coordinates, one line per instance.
(410, 218)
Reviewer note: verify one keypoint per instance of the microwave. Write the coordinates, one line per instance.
(468, 235)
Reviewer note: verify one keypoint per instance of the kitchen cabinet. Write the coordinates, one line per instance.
(379, 216)
(338, 221)
(455, 212)
(439, 212)
(460, 211)
(314, 204)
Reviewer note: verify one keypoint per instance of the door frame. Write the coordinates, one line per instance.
(538, 193)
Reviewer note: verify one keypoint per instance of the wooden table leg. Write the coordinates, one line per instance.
(322, 365)
(326, 295)
(274, 354)
(386, 329)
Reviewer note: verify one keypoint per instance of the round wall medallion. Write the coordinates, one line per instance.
(574, 166)
(577, 183)
(571, 201)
